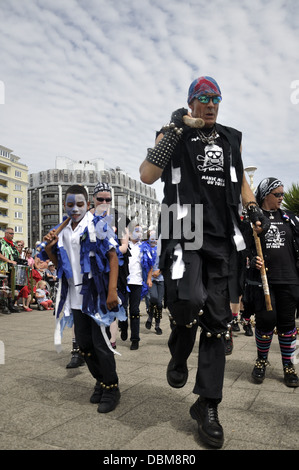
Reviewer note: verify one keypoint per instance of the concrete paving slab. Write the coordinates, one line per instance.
(44, 406)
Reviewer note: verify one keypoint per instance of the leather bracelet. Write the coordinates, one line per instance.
(249, 203)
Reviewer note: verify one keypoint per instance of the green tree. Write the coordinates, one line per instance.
(291, 199)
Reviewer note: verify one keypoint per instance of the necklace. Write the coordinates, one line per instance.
(271, 216)
(208, 138)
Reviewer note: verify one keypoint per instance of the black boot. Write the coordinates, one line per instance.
(259, 370)
(123, 326)
(235, 324)
(228, 342)
(205, 412)
(247, 328)
(158, 330)
(97, 393)
(76, 360)
(158, 317)
(109, 400)
(134, 345)
(290, 377)
(177, 376)
(148, 323)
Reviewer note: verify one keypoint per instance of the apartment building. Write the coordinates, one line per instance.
(47, 189)
(13, 194)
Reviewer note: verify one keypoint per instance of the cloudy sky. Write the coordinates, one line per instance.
(96, 78)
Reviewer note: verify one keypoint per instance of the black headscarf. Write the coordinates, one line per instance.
(265, 187)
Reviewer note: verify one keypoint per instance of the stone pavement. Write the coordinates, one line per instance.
(44, 406)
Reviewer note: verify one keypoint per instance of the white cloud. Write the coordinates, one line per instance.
(91, 78)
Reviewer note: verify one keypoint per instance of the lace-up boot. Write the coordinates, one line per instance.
(205, 412)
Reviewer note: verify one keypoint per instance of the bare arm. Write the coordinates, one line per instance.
(10, 261)
(150, 173)
(112, 298)
(124, 241)
(149, 278)
(246, 192)
(51, 238)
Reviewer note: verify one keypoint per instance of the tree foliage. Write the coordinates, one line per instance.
(291, 199)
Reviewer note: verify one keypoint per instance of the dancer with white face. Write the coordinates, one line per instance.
(88, 271)
(76, 207)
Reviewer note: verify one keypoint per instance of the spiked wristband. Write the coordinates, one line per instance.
(161, 153)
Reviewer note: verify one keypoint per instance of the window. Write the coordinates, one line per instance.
(18, 215)
(18, 229)
(18, 187)
(18, 200)
(18, 174)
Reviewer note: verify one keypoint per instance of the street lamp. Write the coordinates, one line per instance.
(250, 171)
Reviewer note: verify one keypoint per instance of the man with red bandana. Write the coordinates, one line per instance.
(204, 181)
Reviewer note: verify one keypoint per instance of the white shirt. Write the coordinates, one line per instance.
(135, 269)
(70, 239)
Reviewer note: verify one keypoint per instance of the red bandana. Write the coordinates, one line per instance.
(9, 242)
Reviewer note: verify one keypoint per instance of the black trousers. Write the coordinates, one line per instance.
(134, 310)
(284, 300)
(209, 273)
(99, 358)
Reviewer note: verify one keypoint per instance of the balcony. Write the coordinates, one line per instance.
(3, 201)
(48, 210)
(4, 190)
(3, 218)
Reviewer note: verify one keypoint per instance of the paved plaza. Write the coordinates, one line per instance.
(44, 406)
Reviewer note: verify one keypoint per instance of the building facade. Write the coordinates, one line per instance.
(13, 194)
(47, 189)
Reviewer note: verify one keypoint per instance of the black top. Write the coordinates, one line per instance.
(205, 174)
(279, 250)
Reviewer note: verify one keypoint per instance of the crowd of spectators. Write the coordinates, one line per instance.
(20, 271)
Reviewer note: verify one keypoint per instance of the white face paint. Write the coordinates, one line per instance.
(137, 233)
(76, 206)
(153, 238)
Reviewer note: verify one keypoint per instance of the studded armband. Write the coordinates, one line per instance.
(161, 153)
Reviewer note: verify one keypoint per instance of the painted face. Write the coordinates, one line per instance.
(153, 238)
(75, 206)
(137, 233)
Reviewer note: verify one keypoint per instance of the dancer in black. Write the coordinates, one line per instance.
(280, 246)
(203, 179)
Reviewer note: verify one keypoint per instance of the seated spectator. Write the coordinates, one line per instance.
(51, 274)
(25, 295)
(42, 296)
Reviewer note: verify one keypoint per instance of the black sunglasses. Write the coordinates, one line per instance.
(102, 199)
(278, 194)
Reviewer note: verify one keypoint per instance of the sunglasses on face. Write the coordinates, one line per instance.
(102, 199)
(206, 99)
(278, 195)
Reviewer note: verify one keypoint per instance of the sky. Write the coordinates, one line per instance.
(90, 79)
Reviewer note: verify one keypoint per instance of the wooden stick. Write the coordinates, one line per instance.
(263, 272)
(57, 231)
(193, 122)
